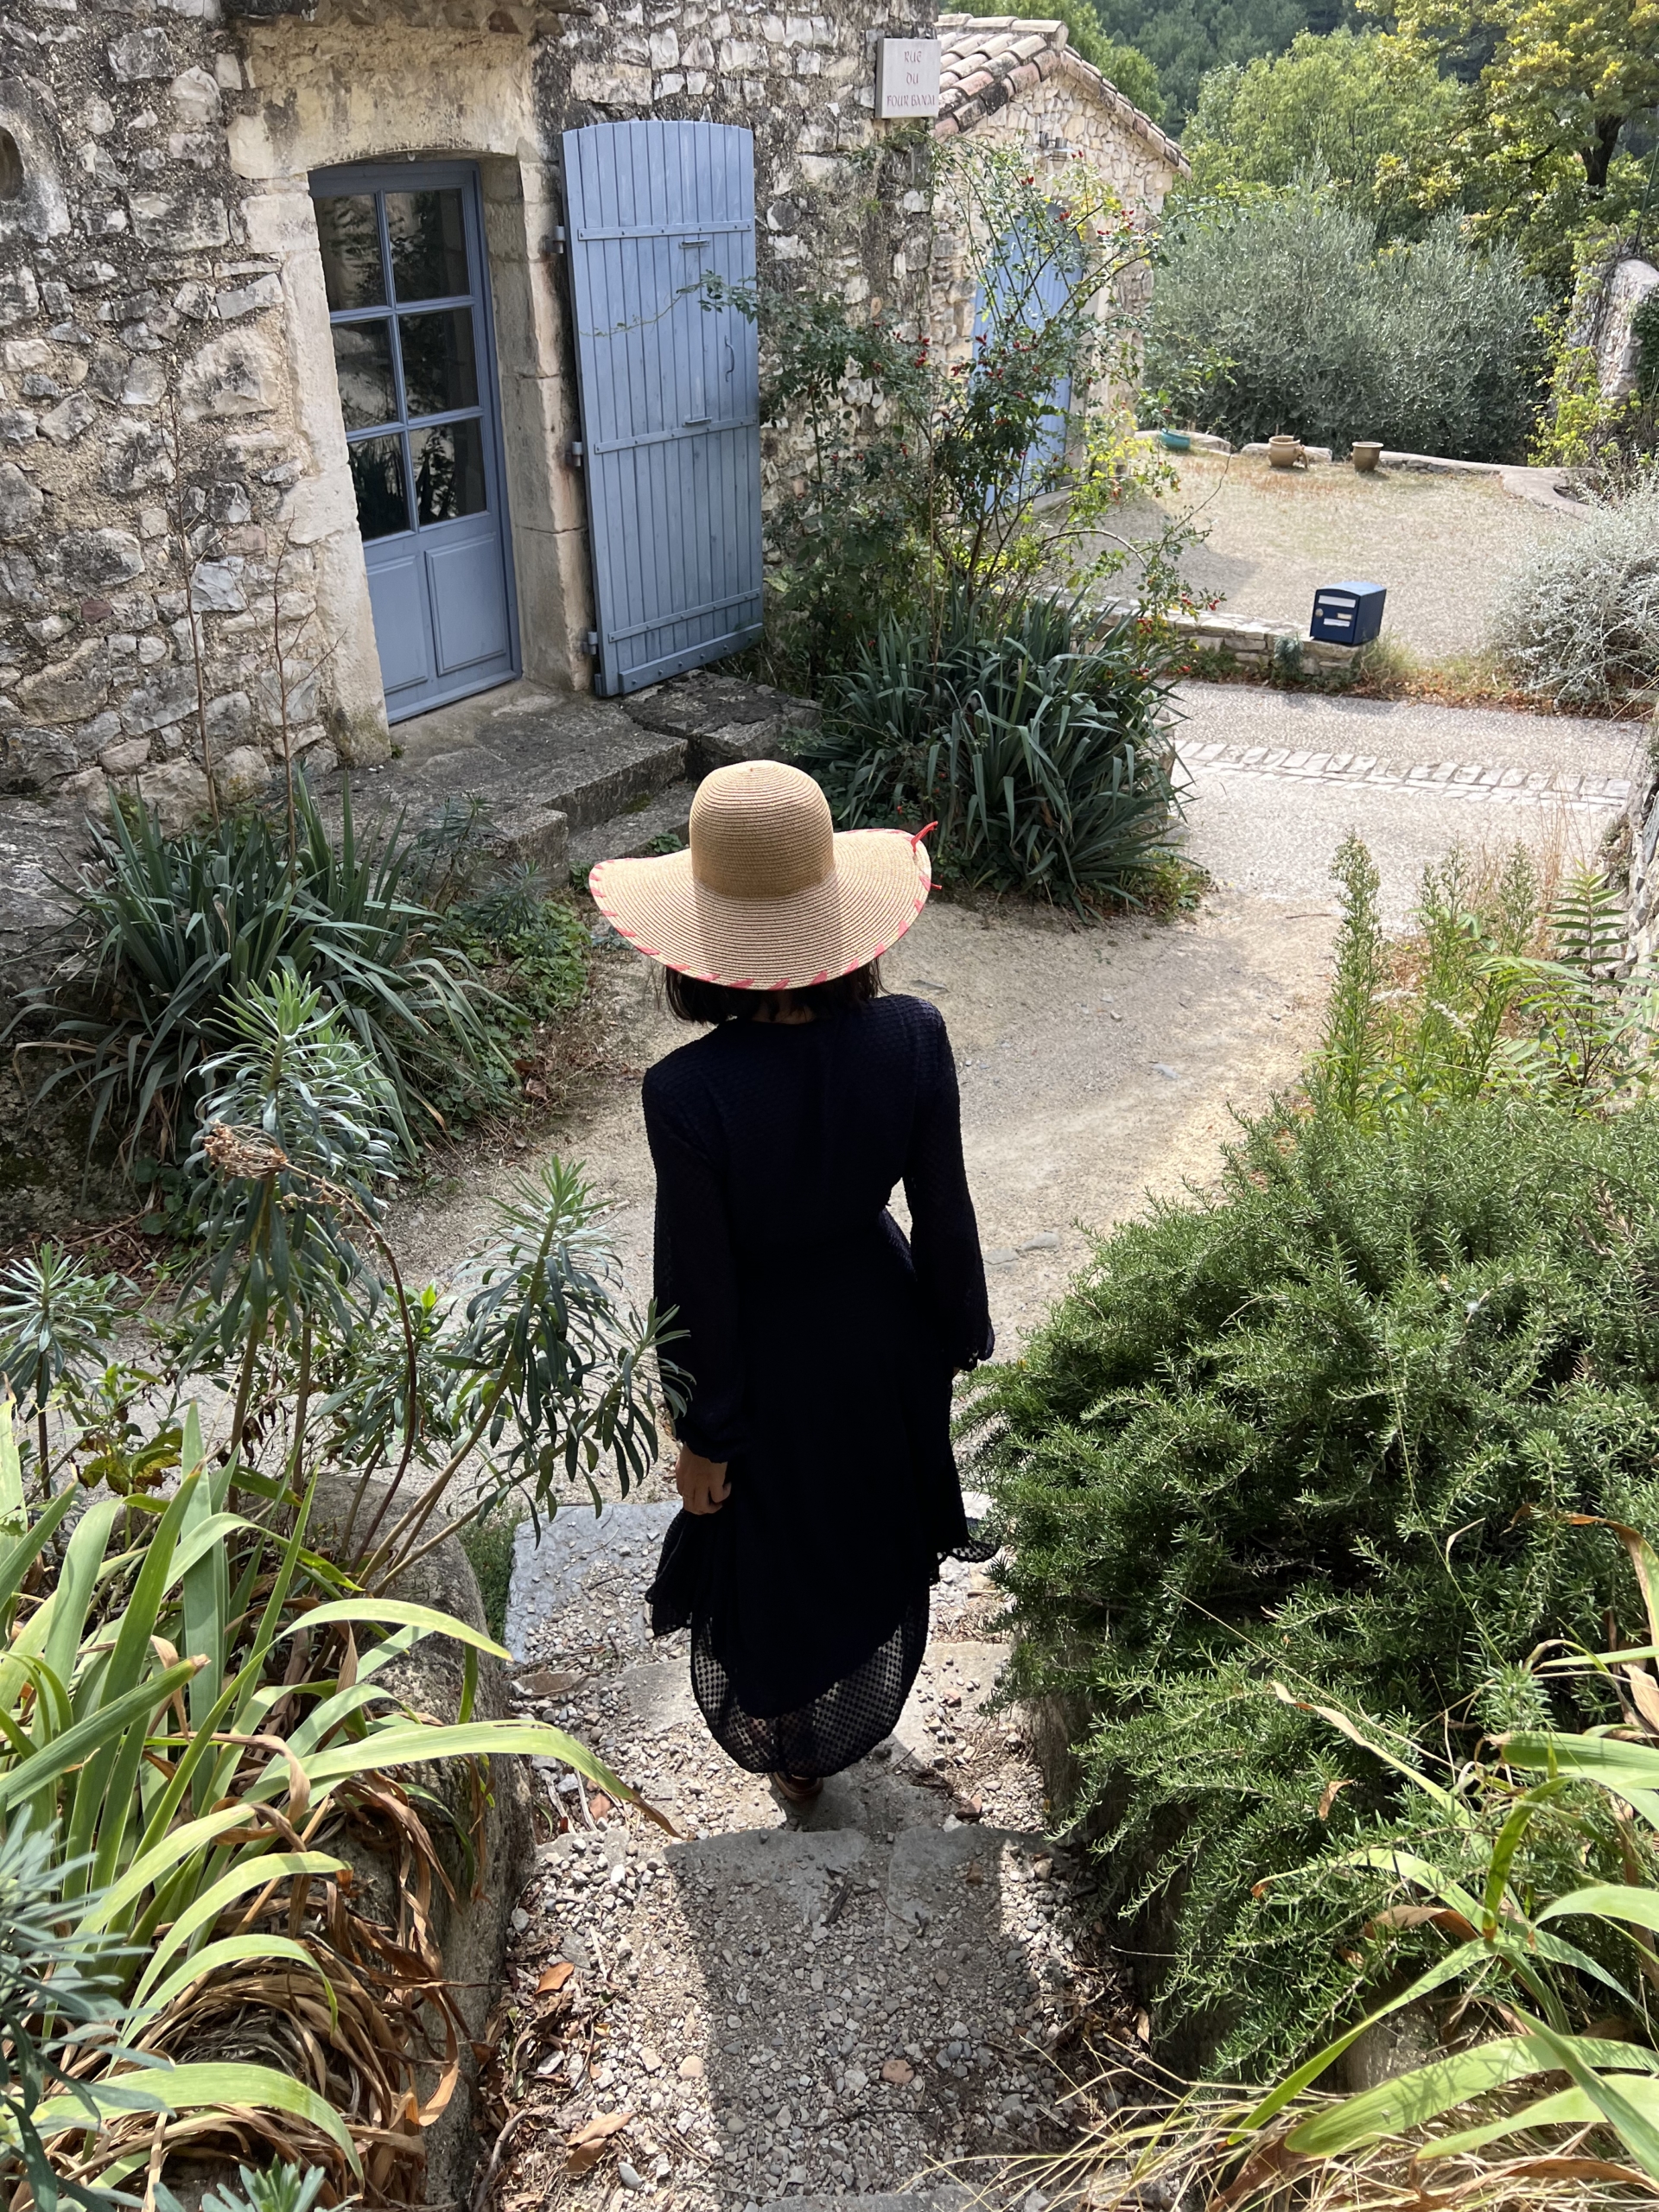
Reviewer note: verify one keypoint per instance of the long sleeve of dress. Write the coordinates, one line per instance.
(943, 1234)
(695, 1274)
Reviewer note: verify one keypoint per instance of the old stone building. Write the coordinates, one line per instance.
(290, 432)
(1014, 82)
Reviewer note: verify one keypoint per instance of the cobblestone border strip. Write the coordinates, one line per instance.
(1444, 778)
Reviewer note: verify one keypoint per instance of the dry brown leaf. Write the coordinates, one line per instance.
(595, 2130)
(899, 2071)
(1424, 1916)
(544, 1681)
(553, 1977)
(1331, 1791)
(1644, 1691)
(587, 2143)
(598, 1805)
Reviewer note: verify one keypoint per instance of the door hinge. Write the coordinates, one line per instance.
(561, 237)
(590, 643)
(574, 453)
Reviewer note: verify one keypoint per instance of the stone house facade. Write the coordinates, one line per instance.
(1014, 82)
(187, 329)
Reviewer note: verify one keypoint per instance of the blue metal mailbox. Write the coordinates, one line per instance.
(1347, 615)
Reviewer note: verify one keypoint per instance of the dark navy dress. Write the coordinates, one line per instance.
(820, 1347)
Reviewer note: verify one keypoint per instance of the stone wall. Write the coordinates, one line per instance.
(1073, 113)
(148, 426)
(1641, 853)
(174, 491)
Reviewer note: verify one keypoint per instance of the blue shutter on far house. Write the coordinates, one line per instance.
(669, 387)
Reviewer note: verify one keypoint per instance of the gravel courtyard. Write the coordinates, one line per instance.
(1275, 536)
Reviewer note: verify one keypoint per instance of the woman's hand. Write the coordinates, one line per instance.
(701, 1482)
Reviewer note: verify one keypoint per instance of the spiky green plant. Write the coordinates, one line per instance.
(164, 931)
(1030, 733)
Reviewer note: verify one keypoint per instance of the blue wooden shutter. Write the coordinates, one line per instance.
(669, 386)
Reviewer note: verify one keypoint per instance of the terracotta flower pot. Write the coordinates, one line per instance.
(1285, 451)
(1365, 452)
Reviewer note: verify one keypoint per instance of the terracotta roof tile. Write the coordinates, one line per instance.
(987, 61)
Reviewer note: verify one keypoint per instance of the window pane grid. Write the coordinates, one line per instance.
(380, 307)
(442, 478)
(414, 422)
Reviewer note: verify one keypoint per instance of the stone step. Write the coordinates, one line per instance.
(546, 765)
(567, 779)
(722, 718)
(634, 831)
(819, 2012)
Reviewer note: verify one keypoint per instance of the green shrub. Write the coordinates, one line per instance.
(983, 470)
(1031, 737)
(1279, 312)
(1369, 109)
(1327, 1427)
(1578, 621)
(489, 1544)
(535, 950)
(1471, 1005)
(165, 931)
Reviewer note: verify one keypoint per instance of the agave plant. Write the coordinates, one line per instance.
(1031, 736)
(164, 932)
(194, 1803)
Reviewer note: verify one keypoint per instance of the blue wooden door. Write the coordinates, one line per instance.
(670, 385)
(1030, 288)
(409, 306)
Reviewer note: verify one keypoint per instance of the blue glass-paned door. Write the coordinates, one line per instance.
(409, 313)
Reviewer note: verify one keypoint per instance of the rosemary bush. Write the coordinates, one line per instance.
(1326, 1426)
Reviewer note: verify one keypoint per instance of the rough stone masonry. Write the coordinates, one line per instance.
(181, 575)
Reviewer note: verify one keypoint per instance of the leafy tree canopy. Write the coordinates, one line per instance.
(1121, 63)
(1541, 149)
(1366, 110)
(1185, 39)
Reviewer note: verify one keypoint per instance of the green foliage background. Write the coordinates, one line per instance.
(1278, 311)
(1125, 65)
(1183, 39)
(1366, 112)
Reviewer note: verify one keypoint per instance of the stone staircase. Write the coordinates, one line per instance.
(856, 2006)
(569, 780)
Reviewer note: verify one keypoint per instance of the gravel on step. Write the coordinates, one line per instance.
(777, 2005)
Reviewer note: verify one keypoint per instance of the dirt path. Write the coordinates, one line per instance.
(845, 2004)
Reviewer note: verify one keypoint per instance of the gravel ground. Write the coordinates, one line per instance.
(778, 2003)
(1275, 535)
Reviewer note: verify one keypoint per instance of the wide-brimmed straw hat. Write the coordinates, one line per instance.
(770, 897)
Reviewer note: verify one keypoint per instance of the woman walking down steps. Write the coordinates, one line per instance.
(815, 1474)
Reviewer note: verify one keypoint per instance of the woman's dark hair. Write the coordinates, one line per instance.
(695, 1001)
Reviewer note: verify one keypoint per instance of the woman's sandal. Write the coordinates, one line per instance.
(798, 1788)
